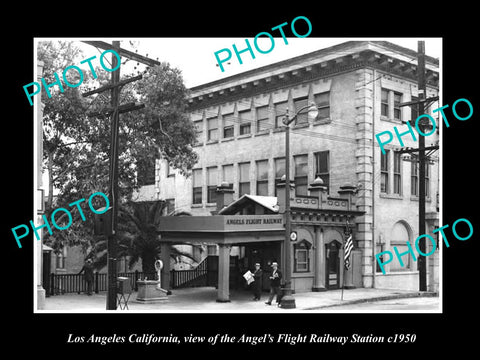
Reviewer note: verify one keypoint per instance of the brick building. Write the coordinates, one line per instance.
(358, 87)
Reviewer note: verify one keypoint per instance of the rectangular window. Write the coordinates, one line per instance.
(227, 172)
(301, 174)
(301, 258)
(397, 173)
(397, 111)
(228, 129)
(279, 171)
(263, 119)
(245, 121)
(302, 118)
(199, 132)
(384, 103)
(322, 101)
(212, 126)
(322, 167)
(212, 184)
(414, 109)
(197, 186)
(414, 177)
(244, 179)
(384, 172)
(415, 180)
(280, 110)
(262, 177)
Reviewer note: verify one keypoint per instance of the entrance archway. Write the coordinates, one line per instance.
(332, 265)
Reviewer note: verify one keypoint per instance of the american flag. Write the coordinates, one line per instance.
(347, 250)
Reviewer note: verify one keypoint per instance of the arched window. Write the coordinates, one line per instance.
(302, 256)
(399, 236)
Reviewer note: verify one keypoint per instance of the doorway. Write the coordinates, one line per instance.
(332, 264)
(265, 253)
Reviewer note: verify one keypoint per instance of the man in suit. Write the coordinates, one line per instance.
(274, 284)
(257, 284)
(88, 270)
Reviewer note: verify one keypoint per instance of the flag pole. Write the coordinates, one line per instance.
(346, 253)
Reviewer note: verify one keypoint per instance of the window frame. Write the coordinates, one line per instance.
(197, 190)
(261, 182)
(301, 181)
(242, 183)
(325, 175)
(397, 174)
(384, 160)
(212, 129)
(321, 106)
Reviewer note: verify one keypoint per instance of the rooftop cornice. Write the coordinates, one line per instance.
(306, 68)
(350, 48)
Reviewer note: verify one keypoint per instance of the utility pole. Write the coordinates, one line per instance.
(422, 261)
(115, 111)
(422, 101)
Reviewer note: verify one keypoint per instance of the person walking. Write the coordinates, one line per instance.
(257, 284)
(88, 276)
(274, 284)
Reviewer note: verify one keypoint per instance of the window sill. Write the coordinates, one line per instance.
(324, 121)
(245, 136)
(211, 204)
(227, 139)
(197, 205)
(197, 145)
(301, 126)
(262, 133)
(391, 196)
(395, 121)
(397, 272)
(301, 274)
(416, 198)
(212, 142)
(279, 129)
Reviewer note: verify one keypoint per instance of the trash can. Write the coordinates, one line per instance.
(124, 285)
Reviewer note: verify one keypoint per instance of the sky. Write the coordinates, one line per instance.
(195, 56)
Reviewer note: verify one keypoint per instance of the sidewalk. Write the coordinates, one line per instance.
(203, 299)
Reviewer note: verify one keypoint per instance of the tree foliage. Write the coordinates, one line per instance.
(77, 145)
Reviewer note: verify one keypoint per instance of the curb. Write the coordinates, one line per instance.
(377, 298)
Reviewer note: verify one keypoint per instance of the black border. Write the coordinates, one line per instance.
(47, 333)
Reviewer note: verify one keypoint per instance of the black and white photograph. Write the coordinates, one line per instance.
(165, 197)
(270, 189)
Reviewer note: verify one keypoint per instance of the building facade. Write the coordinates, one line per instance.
(358, 87)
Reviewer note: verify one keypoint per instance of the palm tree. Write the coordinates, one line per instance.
(137, 236)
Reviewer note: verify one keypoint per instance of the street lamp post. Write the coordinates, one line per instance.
(288, 301)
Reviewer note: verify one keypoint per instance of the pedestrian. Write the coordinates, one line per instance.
(274, 284)
(88, 276)
(257, 284)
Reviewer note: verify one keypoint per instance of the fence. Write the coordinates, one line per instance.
(190, 278)
(74, 283)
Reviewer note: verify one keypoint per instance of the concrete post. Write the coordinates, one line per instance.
(165, 257)
(223, 294)
(319, 277)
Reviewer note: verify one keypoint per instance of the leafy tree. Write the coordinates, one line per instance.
(143, 243)
(77, 146)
